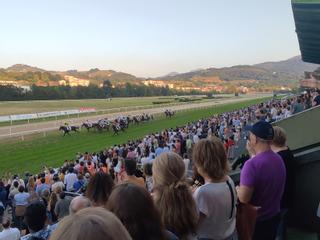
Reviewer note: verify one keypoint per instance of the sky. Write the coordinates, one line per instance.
(146, 38)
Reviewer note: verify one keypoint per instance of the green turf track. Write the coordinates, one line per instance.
(52, 150)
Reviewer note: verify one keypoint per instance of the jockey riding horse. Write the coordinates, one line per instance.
(67, 129)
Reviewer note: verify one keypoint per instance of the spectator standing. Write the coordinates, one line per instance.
(279, 146)
(79, 183)
(130, 166)
(14, 189)
(78, 203)
(91, 223)
(262, 181)
(216, 199)
(136, 210)
(42, 186)
(51, 207)
(99, 189)
(57, 183)
(3, 194)
(9, 233)
(31, 186)
(173, 197)
(70, 179)
(62, 207)
(35, 219)
(298, 107)
(147, 170)
(316, 99)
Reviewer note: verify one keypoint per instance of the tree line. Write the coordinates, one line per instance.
(13, 93)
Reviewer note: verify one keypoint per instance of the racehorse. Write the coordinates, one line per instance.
(146, 117)
(87, 125)
(102, 124)
(136, 120)
(68, 129)
(117, 128)
(169, 113)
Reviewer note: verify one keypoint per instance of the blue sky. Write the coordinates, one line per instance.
(145, 37)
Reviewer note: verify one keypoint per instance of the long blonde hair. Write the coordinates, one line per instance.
(31, 184)
(91, 223)
(173, 196)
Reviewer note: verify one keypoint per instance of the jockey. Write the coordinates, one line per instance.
(89, 123)
(67, 126)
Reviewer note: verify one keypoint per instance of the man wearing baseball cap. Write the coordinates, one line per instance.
(262, 180)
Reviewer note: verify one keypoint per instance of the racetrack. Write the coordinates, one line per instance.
(51, 148)
(42, 127)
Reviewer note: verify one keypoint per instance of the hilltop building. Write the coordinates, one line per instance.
(158, 83)
(26, 88)
(73, 81)
(311, 79)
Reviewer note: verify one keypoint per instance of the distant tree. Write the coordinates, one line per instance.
(107, 88)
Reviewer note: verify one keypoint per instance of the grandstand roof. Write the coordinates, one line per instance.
(307, 18)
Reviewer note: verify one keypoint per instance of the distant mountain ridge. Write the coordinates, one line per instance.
(24, 68)
(294, 65)
(274, 73)
(290, 70)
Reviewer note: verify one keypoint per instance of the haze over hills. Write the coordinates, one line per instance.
(281, 73)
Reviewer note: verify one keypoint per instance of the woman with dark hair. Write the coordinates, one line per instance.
(135, 208)
(99, 188)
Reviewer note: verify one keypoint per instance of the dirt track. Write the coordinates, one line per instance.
(31, 128)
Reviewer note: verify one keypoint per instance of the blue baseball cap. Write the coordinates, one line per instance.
(262, 129)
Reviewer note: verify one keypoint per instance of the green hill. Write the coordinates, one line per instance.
(283, 72)
(269, 73)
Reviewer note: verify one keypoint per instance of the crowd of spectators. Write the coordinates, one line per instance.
(172, 184)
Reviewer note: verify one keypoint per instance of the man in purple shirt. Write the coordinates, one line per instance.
(262, 180)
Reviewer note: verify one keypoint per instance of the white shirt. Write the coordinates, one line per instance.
(69, 180)
(10, 234)
(21, 199)
(95, 159)
(186, 165)
(214, 201)
(56, 185)
(274, 113)
(195, 138)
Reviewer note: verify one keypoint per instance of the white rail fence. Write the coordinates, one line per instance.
(44, 126)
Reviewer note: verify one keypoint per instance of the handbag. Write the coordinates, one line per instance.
(246, 220)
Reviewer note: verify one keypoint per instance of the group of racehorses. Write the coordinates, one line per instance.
(117, 125)
(169, 113)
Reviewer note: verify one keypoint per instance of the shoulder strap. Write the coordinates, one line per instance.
(232, 198)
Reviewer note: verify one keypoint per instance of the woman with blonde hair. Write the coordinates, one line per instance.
(31, 185)
(51, 206)
(91, 223)
(216, 199)
(173, 197)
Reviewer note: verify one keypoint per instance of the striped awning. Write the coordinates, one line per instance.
(307, 18)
